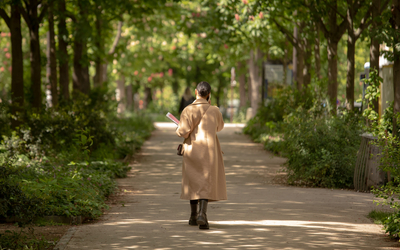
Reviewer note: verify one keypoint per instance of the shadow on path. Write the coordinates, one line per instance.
(260, 213)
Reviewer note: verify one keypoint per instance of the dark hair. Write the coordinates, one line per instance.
(203, 88)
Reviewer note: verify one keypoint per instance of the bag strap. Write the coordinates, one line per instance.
(202, 116)
(197, 124)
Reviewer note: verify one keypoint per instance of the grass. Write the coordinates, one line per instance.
(379, 216)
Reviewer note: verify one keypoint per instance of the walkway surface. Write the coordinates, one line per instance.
(260, 213)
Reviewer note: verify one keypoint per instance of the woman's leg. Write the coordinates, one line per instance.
(202, 218)
(193, 214)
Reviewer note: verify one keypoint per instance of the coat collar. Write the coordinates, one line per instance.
(200, 101)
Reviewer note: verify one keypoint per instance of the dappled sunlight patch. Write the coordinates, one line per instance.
(216, 232)
(152, 154)
(252, 184)
(128, 221)
(337, 226)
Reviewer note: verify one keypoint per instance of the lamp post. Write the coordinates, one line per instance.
(233, 83)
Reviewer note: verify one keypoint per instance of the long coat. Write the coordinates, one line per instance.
(203, 172)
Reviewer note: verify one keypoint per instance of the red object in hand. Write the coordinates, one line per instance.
(173, 118)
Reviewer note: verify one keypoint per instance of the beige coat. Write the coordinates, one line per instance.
(203, 173)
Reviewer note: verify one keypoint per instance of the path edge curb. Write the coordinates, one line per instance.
(62, 243)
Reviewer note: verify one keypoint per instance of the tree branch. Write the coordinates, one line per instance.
(362, 27)
(116, 40)
(6, 18)
(341, 29)
(27, 5)
(365, 22)
(337, 12)
(357, 5)
(25, 15)
(318, 20)
(44, 11)
(287, 33)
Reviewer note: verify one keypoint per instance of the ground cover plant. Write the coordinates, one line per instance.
(64, 162)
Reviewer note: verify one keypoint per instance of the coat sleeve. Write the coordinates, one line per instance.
(185, 126)
(220, 123)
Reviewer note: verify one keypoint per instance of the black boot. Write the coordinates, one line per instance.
(193, 214)
(202, 218)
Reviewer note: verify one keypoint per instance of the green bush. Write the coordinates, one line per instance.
(389, 143)
(64, 161)
(321, 150)
(14, 202)
(268, 126)
(388, 195)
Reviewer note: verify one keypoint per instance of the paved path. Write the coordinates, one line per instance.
(260, 212)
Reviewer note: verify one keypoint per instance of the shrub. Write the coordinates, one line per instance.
(13, 201)
(388, 195)
(73, 180)
(267, 126)
(321, 150)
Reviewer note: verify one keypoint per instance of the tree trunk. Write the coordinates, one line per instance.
(332, 58)
(317, 54)
(351, 49)
(121, 95)
(307, 64)
(175, 86)
(98, 77)
(35, 58)
(219, 89)
(129, 96)
(332, 74)
(396, 65)
(396, 88)
(51, 57)
(62, 51)
(300, 68)
(148, 97)
(333, 34)
(17, 70)
(249, 91)
(295, 59)
(285, 62)
(374, 48)
(242, 84)
(80, 78)
(101, 69)
(255, 68)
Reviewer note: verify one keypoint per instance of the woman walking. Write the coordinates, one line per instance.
(203, 173)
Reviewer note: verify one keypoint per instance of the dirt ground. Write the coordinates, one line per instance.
(260, 213)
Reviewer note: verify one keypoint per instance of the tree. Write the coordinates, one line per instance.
(377, 9)
(326, 14)
(33, 17)
(395, 23)
(82, 30)
(256, 58)
(241, 72)
(51, 56)
(102, 64)
(63, 57)
(13, 22)
(353, 33)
